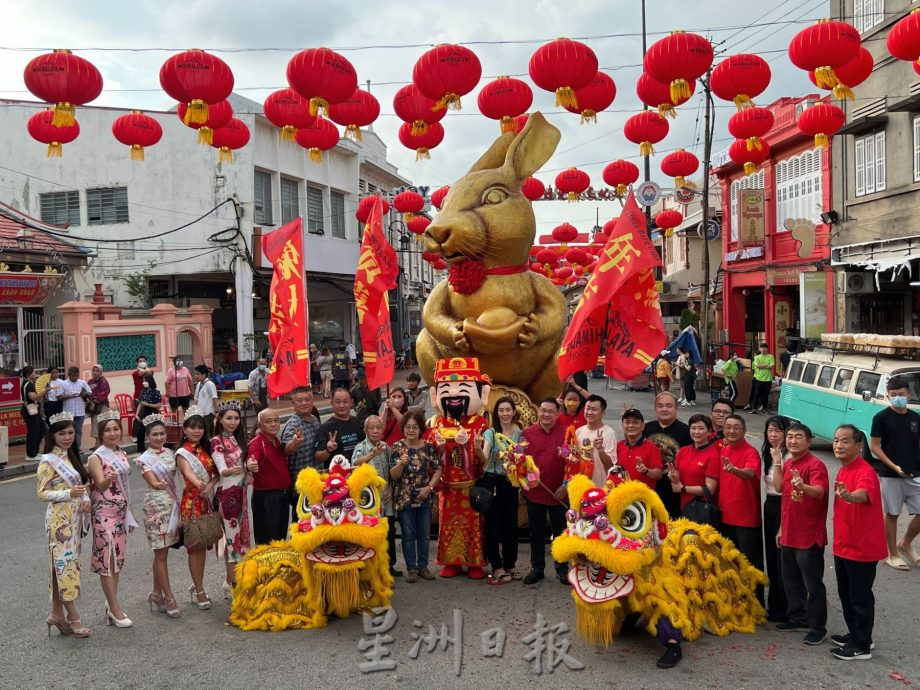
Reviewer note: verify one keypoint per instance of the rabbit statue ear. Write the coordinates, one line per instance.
(495, 156)
(532, 147)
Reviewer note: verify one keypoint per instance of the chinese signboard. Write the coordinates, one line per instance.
(782, 316)
(751, 216)
(786, 276)
(10, 417)
(813, 298)
(28, 289)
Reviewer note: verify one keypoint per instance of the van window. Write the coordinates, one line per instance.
(827, 375)
(795, 371)
(867, 381)
(810, 370)
(844, 377)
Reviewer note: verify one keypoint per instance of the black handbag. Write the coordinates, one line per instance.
(702, 509)
(481, 498)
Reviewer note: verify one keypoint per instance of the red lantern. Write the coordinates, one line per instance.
(620, 174)
(359, 110)
(447, 72)
(563, 66)
(904, 38)
(234, 135)
(519, 123)
(437, 196)
(533, 189)
(41, 127)
(740, 78)
(503, 100)
(219, 115)
(657, 94)
(646, 129)
(548, 257)
(680, 165)
(412, 106)
(418, 224)
(563, 273)
(322, 77)
(288, 110)
(365, 206)
(667, 220)
(408, 203)
(596, 96)
(137, 130)
(64, 79)
(679, 59)
(750, 158)
(577, 256)
(750, 124)
(572, 183)
(853, 73)
(321, 136)
(564, 233)
(197, 79)
(422, 143)
(823, 48)
(821, 121)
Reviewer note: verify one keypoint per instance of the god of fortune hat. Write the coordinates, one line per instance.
(459, 369)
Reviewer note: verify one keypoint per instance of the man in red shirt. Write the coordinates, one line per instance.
(271, 481)
(802, 482)
(739, 492)
(544, 440)
(859, 543)
(636, 454)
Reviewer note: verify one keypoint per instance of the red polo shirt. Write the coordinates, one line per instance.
(273, 472)
(544, 447)
(859, 528)
(644, 450)
(739, 498)
(694, 465)
(803, 522)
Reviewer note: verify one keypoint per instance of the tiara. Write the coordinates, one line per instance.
(194, 411)
(60, 417)
(226, 405)
(154, 419)
(109, 414)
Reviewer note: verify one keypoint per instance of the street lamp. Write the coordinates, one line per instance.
(405, 241)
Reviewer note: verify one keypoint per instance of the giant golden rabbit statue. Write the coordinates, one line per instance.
(491, 306)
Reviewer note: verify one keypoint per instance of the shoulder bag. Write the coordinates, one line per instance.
(702, 509)
(230, 499)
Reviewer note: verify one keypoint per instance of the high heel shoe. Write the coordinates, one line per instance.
(110, 619)
(193, 594)
(228, 591)
(173, 612)
(58, 622)
(77, 629)
(157, 600)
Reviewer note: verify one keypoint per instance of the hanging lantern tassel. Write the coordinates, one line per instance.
(646, 148)
(196, 113)
(742, 101)
(419, 127)
(825, 77)
(680, 181)
(750, 168)
(137, 152)
(316, 155)
(421, 154)
(288, 133)
(622, 189)
(588, 116)
(55, 149)
(754, 143)
(63, 115)
(319, 106)
(680, 91)
(407, 217)
(822, 141)
(667, 110)
(226, 154)
(843, 92)
(353, 132)
(506, 124)
(449, 100)
(572, 196)
(668, 232)
(565, 97)
(205, 135)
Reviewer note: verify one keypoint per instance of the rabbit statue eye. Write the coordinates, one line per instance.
(494, 195)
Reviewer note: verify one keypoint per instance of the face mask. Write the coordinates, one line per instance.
(146, 385)
(142, 364)
(262, 367)
(899, 401)
(571, 406)
(179, 362)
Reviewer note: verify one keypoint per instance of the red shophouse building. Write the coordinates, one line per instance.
(776, 275)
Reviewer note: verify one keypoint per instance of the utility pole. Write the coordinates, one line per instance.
(647, 164)
(708, 129)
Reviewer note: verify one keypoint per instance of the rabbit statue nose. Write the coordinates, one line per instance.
(439, 233)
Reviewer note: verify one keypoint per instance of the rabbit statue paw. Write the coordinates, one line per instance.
(459, 337)
(530, 331)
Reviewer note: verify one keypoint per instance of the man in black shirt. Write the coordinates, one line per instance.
(670, 435)
(366, 401)
(339, 434)
(341, 369)
(896, 443)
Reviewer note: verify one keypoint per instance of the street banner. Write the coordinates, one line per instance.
(378, 268)
(287, 326)
(622, 299)
(28, 289)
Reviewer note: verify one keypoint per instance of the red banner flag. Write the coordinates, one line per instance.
(621, 297)
(287, 326)
(378, 267)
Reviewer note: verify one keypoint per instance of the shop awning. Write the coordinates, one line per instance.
(863, 124)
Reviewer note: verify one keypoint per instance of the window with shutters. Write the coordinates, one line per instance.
(262, 198)
(290, 202)
(869, 154)
(798, 188)
(60, 208)
(337, 216)
(315, 210)
(754, 181)
(868, 13)
(107, 206)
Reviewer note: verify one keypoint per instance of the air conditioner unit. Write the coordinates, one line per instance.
(667, 288)
(858, 283)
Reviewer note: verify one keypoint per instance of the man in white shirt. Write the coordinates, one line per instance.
(205, 394)
(258, 384)
(74, 392)
(601, 437)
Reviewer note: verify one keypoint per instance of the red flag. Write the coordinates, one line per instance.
(287, 326)
(378, 267)
(617, 298)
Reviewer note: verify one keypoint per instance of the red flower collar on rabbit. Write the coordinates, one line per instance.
(466, 277)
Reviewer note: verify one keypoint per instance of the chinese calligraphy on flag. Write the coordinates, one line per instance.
(287, 326)
(620, 298)
(378, 268)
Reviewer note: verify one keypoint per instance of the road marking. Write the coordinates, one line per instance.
(18, 479)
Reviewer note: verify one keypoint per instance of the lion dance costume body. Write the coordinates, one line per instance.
(626, 558)
(335, 561)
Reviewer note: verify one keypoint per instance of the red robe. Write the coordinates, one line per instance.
(460, 538)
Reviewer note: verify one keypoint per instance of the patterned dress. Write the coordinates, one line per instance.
(193, 503)
(63, 526)
(227, 454)
(159, 503)
(110, 518)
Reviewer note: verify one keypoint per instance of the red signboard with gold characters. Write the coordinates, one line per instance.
(28, 289)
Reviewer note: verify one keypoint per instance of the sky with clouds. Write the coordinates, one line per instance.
(384, 39)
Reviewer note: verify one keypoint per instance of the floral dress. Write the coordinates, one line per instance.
(160, 504)
(193, 503)
(227, 454)
(110, 517)
(63, 527)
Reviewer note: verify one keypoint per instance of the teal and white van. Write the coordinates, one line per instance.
(825, 388)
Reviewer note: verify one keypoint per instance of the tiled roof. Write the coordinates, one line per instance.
(13, 222)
